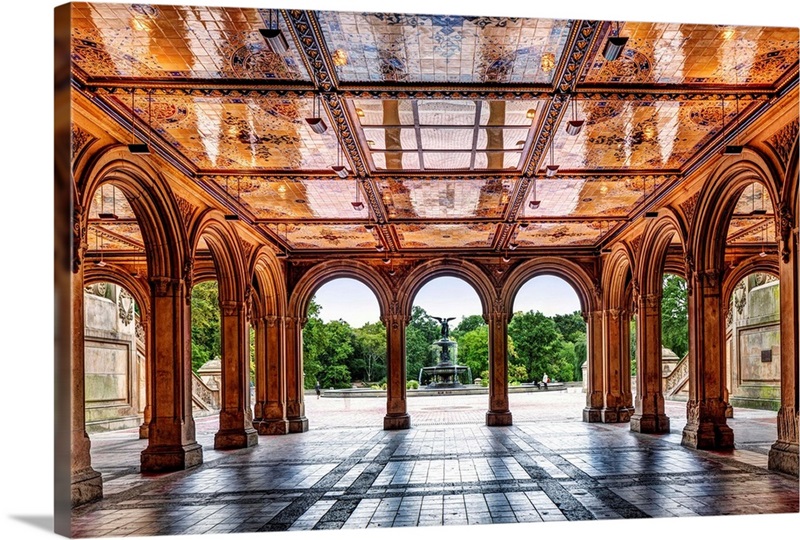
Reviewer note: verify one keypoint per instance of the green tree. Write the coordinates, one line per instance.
(420, 335)
(675, 315)
(467, 324)
(371, 349)
(206, 341)
(571, 326)
(580, 356)
(473, 349)
(536, 341)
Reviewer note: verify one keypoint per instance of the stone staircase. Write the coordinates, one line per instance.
(676, 384)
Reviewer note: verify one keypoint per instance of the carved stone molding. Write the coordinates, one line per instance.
(80, 139)
(781, 143)
(186, 209)
(636, 244)
(231, 308)
(188, 278)
(688, 208)
(79, 242)
(247, 251)
(785, 228)
(125, 306)
(164, 286)
(651, 301)
(711, 278)
(273, 321)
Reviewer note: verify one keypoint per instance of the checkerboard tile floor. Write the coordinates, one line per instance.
(347, 473)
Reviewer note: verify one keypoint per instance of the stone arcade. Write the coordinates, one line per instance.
(451, 169)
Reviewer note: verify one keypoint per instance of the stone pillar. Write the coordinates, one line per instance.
(614, 373)
(650, 416)
(498, 414)
(594, 386)
(295, 407)
(171, 443)
(144, 429)
(397, 416)
(783, 456)
(706, 425)
(86, 483)
(271, 373)
(235, 418)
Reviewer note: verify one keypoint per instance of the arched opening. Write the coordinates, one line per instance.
(206, 341)
(344, 354)
(547, 350)
(447, 350)
(675, 341)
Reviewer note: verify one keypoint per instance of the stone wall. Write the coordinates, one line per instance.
(753, 343)
(114, 362)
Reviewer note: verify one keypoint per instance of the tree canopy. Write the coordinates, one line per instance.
(674, 315)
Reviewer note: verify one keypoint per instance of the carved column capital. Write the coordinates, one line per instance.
(710, 278)
(784, 225)
(651, 301)
(615, 313)
(293, 323)
(164, 286)
(79, 232)
(230, 308)
(272, 320)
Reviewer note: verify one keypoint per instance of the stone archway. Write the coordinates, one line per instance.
(396, 413)
(235, 417)
(706, 425)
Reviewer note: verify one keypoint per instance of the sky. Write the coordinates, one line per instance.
(27, 464)
(351, 300)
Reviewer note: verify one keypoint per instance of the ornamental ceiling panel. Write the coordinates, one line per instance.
(414, 134)
(751, 231)
(288, 198)
(178, 42)
(445, 198)
(588, 196)
(110, 200)
(689, 54)
(476, 235)
(639, 134)
(110, 236)
(754, 198)
(235, 133)
(551, 234)
(326, 236)
(439, 48)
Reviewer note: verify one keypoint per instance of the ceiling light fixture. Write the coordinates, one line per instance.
(614, 45)
(387, 260)
(233, 216)
(97, 235)
(108, 215)
(339, 169)
(512, 246)
(548, 62)
(359, 112)
(379, 247)
(273, 34)
(524, 225)
(315, 121)
(758, 211)
(531, 114)
(357, 204)
(134, 147)
(551, 169)
(534, 202)
(574, 126)
(339, 57)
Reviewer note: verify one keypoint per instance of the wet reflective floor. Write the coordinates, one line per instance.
(346, 472)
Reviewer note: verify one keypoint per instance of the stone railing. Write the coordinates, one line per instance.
(674, 380)
(204, 397)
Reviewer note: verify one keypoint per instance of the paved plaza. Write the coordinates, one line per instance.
(346, 472)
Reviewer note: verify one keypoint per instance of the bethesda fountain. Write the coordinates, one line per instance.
(445, 374)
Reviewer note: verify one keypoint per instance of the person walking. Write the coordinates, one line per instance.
(317, 389)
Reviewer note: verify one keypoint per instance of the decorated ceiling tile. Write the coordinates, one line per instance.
(477, 235)
(751, 231)
(445, 198)
(665, 53)
(321, 236)
(445, 134)
(551, 234)
(639, 134)
(235, 133)
(110, 236)
(754, 198)
(169, 42)
(588, 196)
(439, 48)
(108, 199)
(291, 198)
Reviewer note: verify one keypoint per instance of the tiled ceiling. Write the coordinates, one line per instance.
(442, 126)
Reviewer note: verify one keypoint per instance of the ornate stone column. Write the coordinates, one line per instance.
(397, 416)
(614, 374)
(235, 418)
(594, 386)
(171, 443)
(86, 483)
(271, 373)
(295, 407)
(706, 425)
(650, 416)
(498, 414)
(783, 456)
(144, 429)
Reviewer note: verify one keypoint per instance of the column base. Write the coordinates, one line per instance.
(783, 457)
(171, 458)
(498, 418)
(650, 423)
(400, 421)
(298, 425)
(707, 436)
(86, 487)
(592, 415)
(233, 439)
(272, 427)
(612, 415)
(144, 431)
